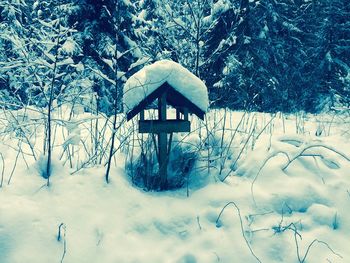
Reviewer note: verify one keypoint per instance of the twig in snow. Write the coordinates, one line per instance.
(60, 237)
(217, 256)
(3, 169)
(250, 218)
(199, 224)
(320, 242)
(260, 229)
(240, 153)
(14, 167)
(267, 124)
(242, 229)
(230, 143)
(302, 259)
(315, 146)
(41, 187)
(260, 169)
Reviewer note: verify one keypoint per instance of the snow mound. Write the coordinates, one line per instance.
(323, 215)
(151, 77)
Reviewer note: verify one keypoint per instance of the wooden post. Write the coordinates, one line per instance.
(178, 114)
(162, 144)
(185, 113)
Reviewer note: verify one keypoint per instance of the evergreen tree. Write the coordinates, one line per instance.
(262, 55)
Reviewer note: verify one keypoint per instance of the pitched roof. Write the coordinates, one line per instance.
(146, 85)
(174, 98)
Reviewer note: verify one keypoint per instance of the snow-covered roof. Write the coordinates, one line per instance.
(151, 77)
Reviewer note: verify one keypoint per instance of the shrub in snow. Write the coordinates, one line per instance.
(143, 170)
(41, 163)
(143, 167)
(181, 162)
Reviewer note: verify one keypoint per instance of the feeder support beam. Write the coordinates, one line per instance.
(162, 143)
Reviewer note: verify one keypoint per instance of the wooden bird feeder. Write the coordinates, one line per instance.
(166, 95)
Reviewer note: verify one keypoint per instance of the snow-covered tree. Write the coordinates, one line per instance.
(184, 27)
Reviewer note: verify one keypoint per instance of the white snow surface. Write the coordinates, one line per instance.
(307, 202)
(151, 77)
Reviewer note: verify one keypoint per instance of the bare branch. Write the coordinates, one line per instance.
(242, 229)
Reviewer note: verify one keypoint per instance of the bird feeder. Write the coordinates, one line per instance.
(171, 85)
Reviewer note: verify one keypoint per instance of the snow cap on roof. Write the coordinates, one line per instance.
(151, 77)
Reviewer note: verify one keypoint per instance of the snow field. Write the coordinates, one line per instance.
(118, 222)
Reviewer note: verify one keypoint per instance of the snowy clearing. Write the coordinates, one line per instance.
(277, 210)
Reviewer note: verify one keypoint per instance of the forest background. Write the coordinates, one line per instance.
(253, 55)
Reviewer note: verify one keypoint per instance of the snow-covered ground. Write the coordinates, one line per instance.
(286, 198)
